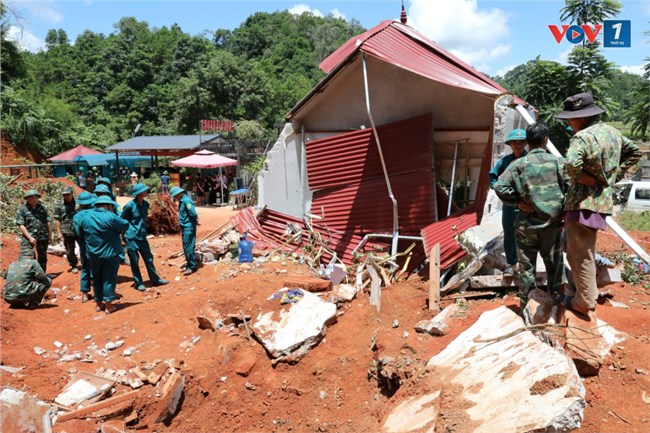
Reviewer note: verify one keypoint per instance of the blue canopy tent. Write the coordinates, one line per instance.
(105, 162)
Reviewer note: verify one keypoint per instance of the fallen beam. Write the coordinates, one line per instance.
(79, 413)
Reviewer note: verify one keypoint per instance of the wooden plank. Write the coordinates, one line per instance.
(468, 295)
(434, 278)
(98, 406)
(375, 288)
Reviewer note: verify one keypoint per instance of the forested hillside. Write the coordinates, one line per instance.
(96, 89)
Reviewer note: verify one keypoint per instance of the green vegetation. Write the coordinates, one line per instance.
(630, 220)
(96, 90)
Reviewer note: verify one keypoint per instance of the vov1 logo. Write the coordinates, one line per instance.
(617, 33)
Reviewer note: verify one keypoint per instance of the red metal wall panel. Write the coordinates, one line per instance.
(445, 232)
(365, 207)
(352, 157)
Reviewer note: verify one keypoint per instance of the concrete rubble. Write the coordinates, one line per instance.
(488, 387)
(587, 342)
(343, 293)
(439, 324)
(21, 412)
(290, 329)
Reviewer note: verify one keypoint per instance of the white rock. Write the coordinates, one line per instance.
(439, 324)
(58, 344)
(114, 345)
(295, 328)
(343, 293)
(395, 324)
(88, 337)
(496, 385)
(135, 383)
(71, 357)
(39, 350)
(129, 351)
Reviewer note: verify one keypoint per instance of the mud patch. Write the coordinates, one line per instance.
(548, 384)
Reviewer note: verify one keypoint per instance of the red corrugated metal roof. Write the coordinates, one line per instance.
(69, 155)
(402, 46)
(268, 233)
(348, 158)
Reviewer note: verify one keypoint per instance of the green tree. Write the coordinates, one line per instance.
(638, 115)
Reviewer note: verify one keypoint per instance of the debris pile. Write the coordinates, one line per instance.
(163, 215)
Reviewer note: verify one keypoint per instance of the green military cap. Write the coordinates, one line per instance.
(165, 172)
(516, 135)
(175, 191)
(85, 198)
(66, 190)
(31, 192)
(138, 189)
(101, 188)
(105, 200)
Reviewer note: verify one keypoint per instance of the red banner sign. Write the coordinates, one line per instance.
(217, 125)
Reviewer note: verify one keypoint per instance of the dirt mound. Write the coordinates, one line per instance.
(163, 215)
(12, 155)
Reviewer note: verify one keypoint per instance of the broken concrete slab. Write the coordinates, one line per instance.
(439, 325)
(157, 373)
(292, 329)
(606, 276)
(81, 387)
(489, 384)
(310, 284)
(540, 308)
(20, 412)
(171, 397)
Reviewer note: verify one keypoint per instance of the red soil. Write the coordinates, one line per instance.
(328, 390)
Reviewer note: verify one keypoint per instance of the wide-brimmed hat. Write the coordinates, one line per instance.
(31, 192)
(580, 105)
(134, 174)
(85, 198)
(66, 190)
(105, 200)
(175, 191)
(138, 189)
(165, 172)
(516, 135)
(103, 189)
(104, 180)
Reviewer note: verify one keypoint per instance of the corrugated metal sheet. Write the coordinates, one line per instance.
(347, 179)
(400, 45)
(445, 231)
(164, 142)
(348, 158)
(366, 208)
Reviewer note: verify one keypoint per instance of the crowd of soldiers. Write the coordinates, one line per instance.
(547, 198)
(96, 224)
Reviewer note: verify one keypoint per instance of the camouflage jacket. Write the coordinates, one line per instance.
(24, 277)
(601, 151)
(538, 180)
(64, 213)
(35, 221)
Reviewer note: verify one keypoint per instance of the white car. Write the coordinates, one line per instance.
(638, 199)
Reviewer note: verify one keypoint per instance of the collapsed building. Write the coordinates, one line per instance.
(393, 145)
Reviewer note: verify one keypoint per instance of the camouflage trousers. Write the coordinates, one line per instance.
(31, 295)
(548, 244)
(69, 241)
(27, 250)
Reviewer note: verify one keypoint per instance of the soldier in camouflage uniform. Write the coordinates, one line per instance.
(598, 156)
(86, 202)
(63, 215)
(34, 224)
(535, 183)
(26, 284)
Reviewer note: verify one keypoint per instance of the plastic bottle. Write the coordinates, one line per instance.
(245, 250)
